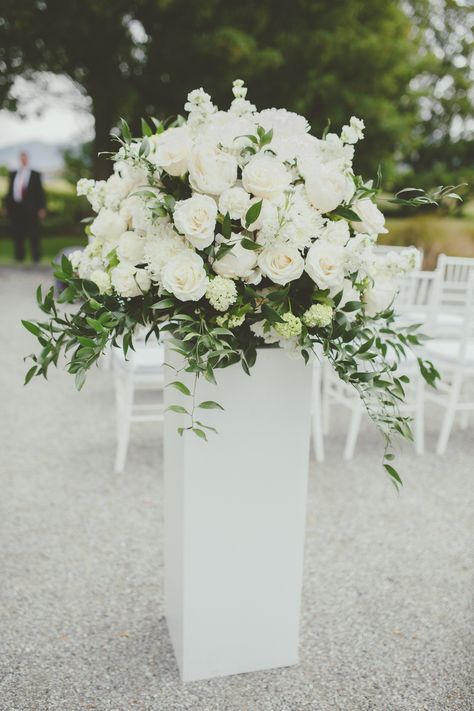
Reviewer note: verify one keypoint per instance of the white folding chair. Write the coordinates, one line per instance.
(337, 392)
(142, 370)
(454, 358)
(450, 296)
(416, 299)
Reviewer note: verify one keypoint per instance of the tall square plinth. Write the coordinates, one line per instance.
(235, 511)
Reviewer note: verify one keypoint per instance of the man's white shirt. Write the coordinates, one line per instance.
(20, 183)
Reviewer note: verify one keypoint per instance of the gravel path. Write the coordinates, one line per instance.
(387, 621)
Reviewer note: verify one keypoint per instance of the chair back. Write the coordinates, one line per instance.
(467, 334)
(452, 286)
(416, 297)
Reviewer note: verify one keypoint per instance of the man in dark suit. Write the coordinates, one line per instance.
(26, 205)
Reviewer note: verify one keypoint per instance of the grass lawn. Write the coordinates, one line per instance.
(50, 248)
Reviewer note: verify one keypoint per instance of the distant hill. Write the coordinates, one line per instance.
(45, 157)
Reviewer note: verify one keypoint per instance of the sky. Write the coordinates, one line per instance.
(55, 112)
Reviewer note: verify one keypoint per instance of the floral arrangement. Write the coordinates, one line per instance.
(235, 230)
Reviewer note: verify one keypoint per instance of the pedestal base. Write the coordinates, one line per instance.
(235, 510)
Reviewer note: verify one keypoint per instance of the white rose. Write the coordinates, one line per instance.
(131, 247)
(326, 186)
(172, 149)
(281, 263)
(108, 226)
(235, 201)
(324, 264)
(211, 170)
(129, 281)
(185, 277)
(238, 262)
(372, 220)
(265, 177)
(196, 219)
(379, 297)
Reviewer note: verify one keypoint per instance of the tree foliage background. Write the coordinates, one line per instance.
(404, 67)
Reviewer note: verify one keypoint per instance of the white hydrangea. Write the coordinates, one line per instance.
(131, 247)
(396, 263)
(336, 231)
(108, 226)
(136, 212)
(129, 281)
(221, 293)
(91, 259)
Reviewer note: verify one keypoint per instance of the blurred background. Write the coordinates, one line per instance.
(69, 69)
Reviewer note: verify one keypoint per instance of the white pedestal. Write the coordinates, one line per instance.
(235, 511)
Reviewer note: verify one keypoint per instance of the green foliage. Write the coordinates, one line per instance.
(364, 351)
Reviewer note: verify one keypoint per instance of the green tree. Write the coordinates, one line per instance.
(382, 61)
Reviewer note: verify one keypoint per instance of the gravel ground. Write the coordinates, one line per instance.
(387, 609)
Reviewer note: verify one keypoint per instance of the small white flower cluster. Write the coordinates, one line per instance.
(236, 165)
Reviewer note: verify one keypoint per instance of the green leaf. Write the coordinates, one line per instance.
(226, 226)
(210, 405)
(199, 433)
(393, 473)
(32, 328)
(95, 324)
(30, 374)
(146, 130)
(271, 315)
(352, 306)
(87, 342)
(249, 244)
(180, 386)
(346, 213)
(125, 131)
(179, 409)
(80, 378)
(253, 213)
(164, 304)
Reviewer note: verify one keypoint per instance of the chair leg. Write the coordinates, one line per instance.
(124, 413)
(353, 432)
(419, 416)
(465, 419)
(450, 413)
(326, 404)
(318, 442)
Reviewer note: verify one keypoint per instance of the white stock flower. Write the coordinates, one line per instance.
(326, 186)
(354, 131)
(265, 177)
(211, 170)
(358, 254)
(281, 263)
(379, 296)
(75, 258)
(161, 245)
(221, 293)
(372, 221)
(238, 262)
(235, 201)
(185, 277)
(108, 226)
(324, 264)
(171, 150)
(136, 213)
(129, 281)
(336, 232)
(94, 191)
(102, 280)
(131, 247)
(195, 218)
